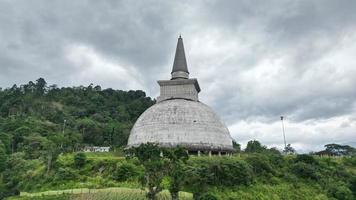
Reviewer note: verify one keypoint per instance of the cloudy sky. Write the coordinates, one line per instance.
(255, 60)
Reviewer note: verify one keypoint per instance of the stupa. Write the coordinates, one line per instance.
(179, 118)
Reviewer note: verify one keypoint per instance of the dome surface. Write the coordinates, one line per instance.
(187, 123)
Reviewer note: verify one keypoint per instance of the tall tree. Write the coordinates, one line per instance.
(150, 157)
(40, 85)
(3, 157)
(177, 159)
(289, 149)
(254, 146)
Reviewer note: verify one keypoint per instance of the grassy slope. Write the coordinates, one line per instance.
(97, 194)
(89, 177)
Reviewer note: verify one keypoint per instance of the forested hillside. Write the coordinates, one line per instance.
(35, 116)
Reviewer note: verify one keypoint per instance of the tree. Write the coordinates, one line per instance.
(289, 149)
(177, 158)
(254, 146)
(305, 170)
(126, 171)
(80, 159)
(228, 172)
(6, 140)
(3, 157)
(260, 164)
(340, 150)
(236, 146)
(149, 156)
(198, 181)
(51, 153)
(40, 86)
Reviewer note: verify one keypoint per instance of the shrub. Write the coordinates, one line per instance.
(80, 160)
(260, 164)
(3, 156)
(207, 197)
(255, 146)
(350, 161)
(340, 191)
(230, 172)
(305, 170)
(65, 174)
(125, 171)
(276, 160)
(221, 171)
(305, 158)
(353, 184)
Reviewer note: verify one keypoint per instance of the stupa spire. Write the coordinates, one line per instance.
(180, 67)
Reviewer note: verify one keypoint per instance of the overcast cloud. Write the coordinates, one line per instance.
(255, 60)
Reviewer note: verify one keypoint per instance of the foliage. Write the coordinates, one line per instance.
(340, 150)
(305, 170)
(204, 173)
(207, 196)
(254, 146)
(177, 158)
(340, 191)
(149, 156)
(261, 165)
(289, 149)
(3, 156)
(223, 177)
(236, 146)
(126, 171)
(87, 115)
(337, 150)
(80, 159)
(305, 158)
(41, 122)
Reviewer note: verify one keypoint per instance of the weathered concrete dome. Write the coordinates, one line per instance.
(187, 123)
(179, 118)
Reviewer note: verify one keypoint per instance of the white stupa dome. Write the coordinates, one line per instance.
(179, 118)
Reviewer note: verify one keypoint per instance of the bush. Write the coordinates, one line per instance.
(350, 161)
(304, 170)
(260, 164)
(65, 174)
(305, 158)
(223, 171)
(207, 197)
(80, 160)
(353, 184)
(340, 191)
(3, 156)
(125, 171)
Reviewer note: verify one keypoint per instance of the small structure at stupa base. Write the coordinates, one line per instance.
(179, 119)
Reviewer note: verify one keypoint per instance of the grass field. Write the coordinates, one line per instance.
(96, 194)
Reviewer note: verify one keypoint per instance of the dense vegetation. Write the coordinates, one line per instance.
(43, 127)
(39, 122)
(262, 175)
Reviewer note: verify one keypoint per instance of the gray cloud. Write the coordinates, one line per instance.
(255, 60)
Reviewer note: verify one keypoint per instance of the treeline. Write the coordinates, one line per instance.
(44, 121)
(82, 115)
